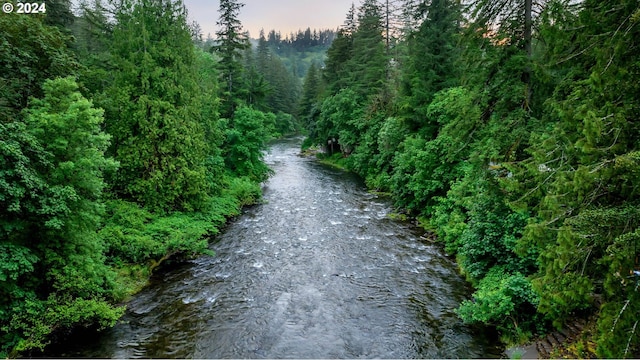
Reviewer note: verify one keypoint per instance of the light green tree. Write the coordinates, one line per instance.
(53, 269)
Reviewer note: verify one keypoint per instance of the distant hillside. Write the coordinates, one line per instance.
(298, 51)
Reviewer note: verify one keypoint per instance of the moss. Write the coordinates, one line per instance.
(131, 279)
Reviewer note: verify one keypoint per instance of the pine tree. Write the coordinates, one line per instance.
(232, 41)
(432, 56)
(367, 67)
(310, 94)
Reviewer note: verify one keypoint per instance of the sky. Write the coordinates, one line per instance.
(281, 15)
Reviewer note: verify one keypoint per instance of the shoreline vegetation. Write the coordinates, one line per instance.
(126, 141)
(507, 129)
(574, 340)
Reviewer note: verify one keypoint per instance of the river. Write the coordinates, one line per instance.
(317, 271)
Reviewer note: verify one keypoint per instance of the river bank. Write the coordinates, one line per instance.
(574, 340)
(317, 270)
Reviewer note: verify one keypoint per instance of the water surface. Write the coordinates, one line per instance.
(317, 271)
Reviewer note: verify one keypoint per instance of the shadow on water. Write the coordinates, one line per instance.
(317, 271)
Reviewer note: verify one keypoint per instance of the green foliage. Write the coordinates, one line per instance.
(38, 319)
(310, 95)
(491, 235)
(367, 66)
(154, 118)
(503, 299)
(207, 76)
(285, 124)
(340, 120)
(281, 84)
(231, 43)
(30, 53)
(432, 53)
(243, 191)
(584, 161)
(335, 74)
(424, 169)
(136, 236)
(64, 260)
(245, 140)
(56, 260)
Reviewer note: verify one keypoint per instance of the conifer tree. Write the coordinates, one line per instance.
(310, 94)
(368, 64)
(431, 60)
(232, 41)
(586, 166)
(153, 115)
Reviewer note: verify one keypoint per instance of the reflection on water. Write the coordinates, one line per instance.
(318, 271)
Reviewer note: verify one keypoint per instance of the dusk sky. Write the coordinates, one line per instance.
(282, 15)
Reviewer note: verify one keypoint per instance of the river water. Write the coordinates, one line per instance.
(317, 271)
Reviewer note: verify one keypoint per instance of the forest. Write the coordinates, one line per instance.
(509, 130)
(504, 128)
(124, 142)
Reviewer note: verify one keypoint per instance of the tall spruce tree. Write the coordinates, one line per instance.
(310, 93)
(431, 60)
(367, 67)
(232, 41)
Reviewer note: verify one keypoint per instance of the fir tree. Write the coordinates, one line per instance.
(232, 41)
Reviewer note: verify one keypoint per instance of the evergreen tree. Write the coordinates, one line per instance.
(206, 70)
(431, 60)
(30, 53)
(310, 94)
(335, 73)
(263, 53)
(367, 66)
(255, 87)
(232, 41)
(153, 115)
(586, 166)
(59, 13)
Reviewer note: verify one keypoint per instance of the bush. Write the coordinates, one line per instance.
(502, 299)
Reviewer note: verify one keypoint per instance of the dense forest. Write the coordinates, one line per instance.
(505, 128)
(296, 51)
(509, 130)
(124, 142)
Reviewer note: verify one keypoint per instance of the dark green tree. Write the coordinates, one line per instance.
(432, 56)
(232, 41)
(245, 141)
(310, 94)
(30, 53)
(335, 73)
(585, 166)
(153, 114)
(59, 13)
(367, 66)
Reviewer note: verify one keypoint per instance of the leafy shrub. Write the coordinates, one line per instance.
(502, 299)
